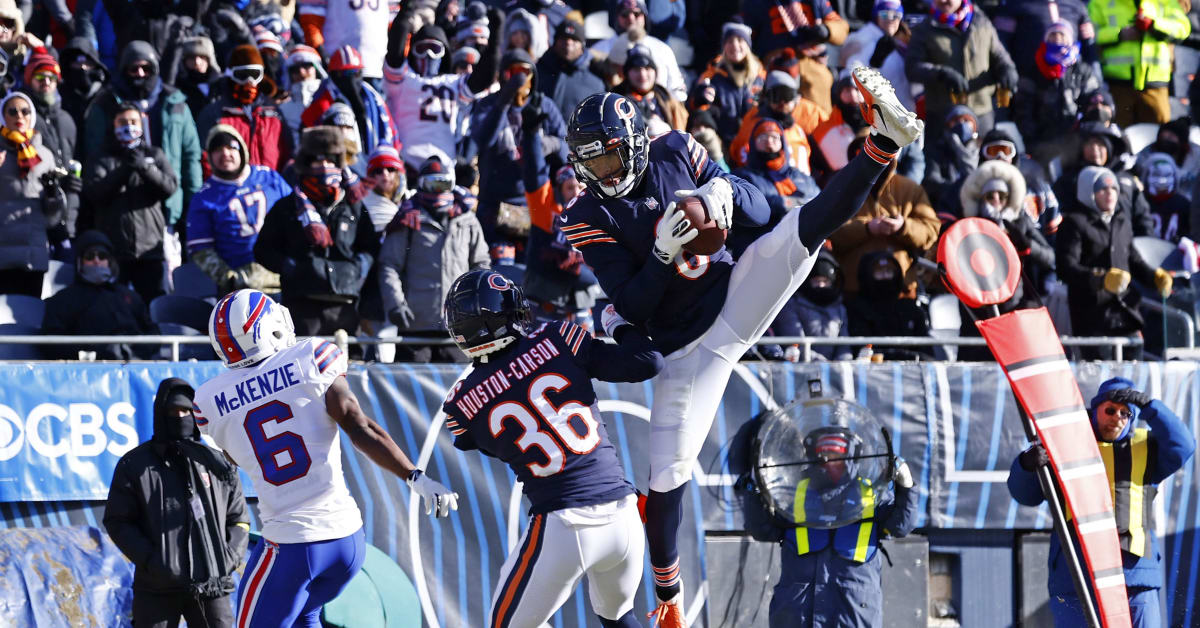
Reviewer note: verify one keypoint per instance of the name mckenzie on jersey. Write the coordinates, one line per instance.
(258, 387)
(498, 382)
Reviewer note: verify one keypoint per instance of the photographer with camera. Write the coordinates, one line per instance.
(27, 204)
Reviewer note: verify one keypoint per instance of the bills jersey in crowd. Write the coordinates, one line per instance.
(425, 110)
(536, 411)
(271, 420)
(227, 215)
(616, 236)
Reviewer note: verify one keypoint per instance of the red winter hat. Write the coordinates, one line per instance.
(41, 60)
(345, 58)
(385, 156)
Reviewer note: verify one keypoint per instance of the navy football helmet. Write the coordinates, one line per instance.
(607, 144)
(485, 312)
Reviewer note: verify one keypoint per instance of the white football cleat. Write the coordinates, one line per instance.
(882, 110)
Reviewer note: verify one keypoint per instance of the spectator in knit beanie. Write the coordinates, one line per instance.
(246, 103)
(57, 130)
(389, 186)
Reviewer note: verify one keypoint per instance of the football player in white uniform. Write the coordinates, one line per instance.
(276, 414)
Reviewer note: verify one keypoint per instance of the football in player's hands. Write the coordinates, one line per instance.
(711, 237)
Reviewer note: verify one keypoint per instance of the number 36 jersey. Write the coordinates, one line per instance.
(271, 420)
(536, 411)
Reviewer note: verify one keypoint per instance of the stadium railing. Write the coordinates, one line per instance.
(806, 343)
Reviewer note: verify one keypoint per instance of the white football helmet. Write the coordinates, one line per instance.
(247, 327)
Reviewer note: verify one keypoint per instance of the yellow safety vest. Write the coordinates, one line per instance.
(856, 541)
(1128, 464)
(1146, 59)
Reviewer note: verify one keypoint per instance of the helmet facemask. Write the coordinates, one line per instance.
(611, 171)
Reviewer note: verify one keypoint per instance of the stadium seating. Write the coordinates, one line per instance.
(945, 320)
(189, 351)
(186, 311)
(190, 281)
(19, 351)
(21, 309)
(58, 276)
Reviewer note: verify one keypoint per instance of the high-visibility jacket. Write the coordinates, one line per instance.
(1146, 59)
(1129, 463)
(857, 541)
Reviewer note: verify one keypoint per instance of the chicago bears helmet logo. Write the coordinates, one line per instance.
(499, 282)
(624, 109)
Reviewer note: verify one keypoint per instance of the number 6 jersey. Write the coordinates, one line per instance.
(271, 420)
(536, 411)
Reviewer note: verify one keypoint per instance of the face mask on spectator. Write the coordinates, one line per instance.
(129, 135)
(321, 183)
(821, 287)
(964, 131)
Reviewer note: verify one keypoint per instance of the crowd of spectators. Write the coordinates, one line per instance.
(355, 158)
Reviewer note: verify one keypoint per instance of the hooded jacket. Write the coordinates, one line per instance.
(127, 190)
(156, 490)
(201, 89)
(1131, 200)
(1045, 109)
(1171, 445)
(1086, 247)
(261, 124)
(807, 117)
(88, 309)
(171, 128)
(23, 211)
(1171, 214)
(76, 102)
(522, 20)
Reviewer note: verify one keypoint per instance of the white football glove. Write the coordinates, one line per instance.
(610, 320)
(902, 476)
(673, 231)
(438, 499)
(717, 196)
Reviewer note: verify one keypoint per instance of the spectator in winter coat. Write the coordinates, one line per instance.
(389, 186)
(305, 74)
(794, 24)
(736, 77)
(1096, 259)
(198, 74)
(780, 100)
(897, 218)
(27, 205)
(1045, 102)
(127, 186)
(96, 304)
(660, 110)
(345, 84)
(886, 17)
(1021, 24)
(1040, 202)
(524, 31)
(245, 101)
(167, 123)
(1137, 39)
(84, 76)
(1174, 139)
(996, 191)
(816, 310)
(433, 240)
(958, 57)
(949, 157)
(1169, 210)
(228, 212)
(57, 130)
(1105, 146)
(881, 307)
(563, 74)
(768, 169)
(1137, 460)
(176, 510)
(321, 244)
(496, 131)
(631, 29)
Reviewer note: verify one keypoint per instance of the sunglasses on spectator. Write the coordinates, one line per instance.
(94, 254)
(378, 171)
(888, 15)
(1124, 413)
(1000, 150)
(246, 74)
(140, 68)
(429, 48)
(23, 112)
(439, 183)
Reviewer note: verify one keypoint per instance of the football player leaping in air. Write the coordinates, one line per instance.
(703, 312)
(276, 414)
(529, 402)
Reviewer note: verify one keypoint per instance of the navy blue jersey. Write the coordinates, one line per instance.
(536, 411)
(675, 303)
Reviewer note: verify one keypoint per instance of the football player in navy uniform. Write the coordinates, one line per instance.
(703, 312)
(528, 401)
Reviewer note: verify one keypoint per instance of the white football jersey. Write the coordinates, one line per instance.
(271, 420)
(425, 110)
(359, 23)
